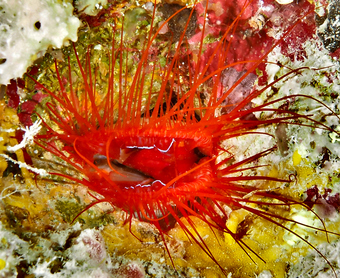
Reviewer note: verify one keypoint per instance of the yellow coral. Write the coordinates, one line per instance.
(296, 158)
(2, 264)
(3, 165)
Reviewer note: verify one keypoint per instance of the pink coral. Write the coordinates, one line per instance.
(130, 270)
(90, 244)
(326, 205)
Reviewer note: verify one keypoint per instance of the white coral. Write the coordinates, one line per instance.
(30, 132)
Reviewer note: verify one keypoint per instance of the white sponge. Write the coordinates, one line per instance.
(28, 28)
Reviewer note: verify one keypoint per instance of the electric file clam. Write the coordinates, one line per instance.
(154, 143)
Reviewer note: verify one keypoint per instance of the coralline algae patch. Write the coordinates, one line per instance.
(38, 239)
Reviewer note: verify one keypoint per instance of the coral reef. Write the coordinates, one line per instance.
(47, 229)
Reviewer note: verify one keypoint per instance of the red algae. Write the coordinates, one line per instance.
(151, 142)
